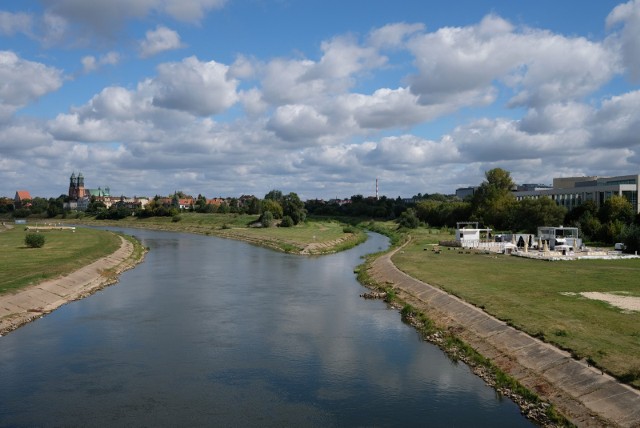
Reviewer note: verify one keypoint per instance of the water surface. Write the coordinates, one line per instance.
(208, 331)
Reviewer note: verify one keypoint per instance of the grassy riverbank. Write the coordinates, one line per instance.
(64, 251)
(315, 236)
(541, 298)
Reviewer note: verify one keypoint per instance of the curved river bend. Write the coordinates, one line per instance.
(208, 331)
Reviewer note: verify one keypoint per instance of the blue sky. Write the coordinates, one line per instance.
(225, 98)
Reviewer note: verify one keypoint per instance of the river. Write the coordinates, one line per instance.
(215, 332)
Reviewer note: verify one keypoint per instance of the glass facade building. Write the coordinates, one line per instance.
(570, 192)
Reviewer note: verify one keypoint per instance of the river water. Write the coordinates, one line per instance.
(214, 332)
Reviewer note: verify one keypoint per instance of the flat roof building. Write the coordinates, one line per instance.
(463, 192)
(570, 192)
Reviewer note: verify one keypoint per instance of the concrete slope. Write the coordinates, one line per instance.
(29, 303)
(582, 393)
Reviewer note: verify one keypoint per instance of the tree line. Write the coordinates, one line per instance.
(493, 205)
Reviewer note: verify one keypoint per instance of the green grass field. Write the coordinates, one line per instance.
(63, 252)
(541, 298)
(235, 226)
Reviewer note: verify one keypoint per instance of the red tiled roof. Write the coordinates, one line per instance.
(215, 201)
(23, 195)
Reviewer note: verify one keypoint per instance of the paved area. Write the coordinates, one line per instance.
(32, 302)
(581, 393)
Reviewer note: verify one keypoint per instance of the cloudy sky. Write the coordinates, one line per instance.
(318, 97)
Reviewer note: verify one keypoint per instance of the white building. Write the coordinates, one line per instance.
(469, 236)
(570, 192)
(556, 236)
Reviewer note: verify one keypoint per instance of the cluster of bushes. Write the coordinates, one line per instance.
(289, 209)
(359, 206)
(40, 207)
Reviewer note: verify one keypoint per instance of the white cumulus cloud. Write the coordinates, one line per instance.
(628, 15)
(202, 88)
(159, 40)
(23, 81)
(13, 23)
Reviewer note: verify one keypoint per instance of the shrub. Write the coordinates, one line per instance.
(266, 219)
(409, 219)
(287, 221)
(176, 218)
(34, 240)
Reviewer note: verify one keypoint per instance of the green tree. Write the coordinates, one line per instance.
(272, 206)
(254, 206)
(95, 206)
(631, 238)
(573, 216)
(224, 208)
(610, 232)
(234, 205)
(21, 213)
(266, 219)
(443, 213)
(200, 204)
(409, 219)
(493, 201)
(274, 195)
(287, 221)
(293, 207)
(38, 205)
(589, 226)
(529, 214)
(616, 208)
(55, 207)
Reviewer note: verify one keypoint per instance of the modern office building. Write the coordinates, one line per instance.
(464, 192)
(573, 191)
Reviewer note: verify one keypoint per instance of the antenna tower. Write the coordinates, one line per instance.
(377, 189)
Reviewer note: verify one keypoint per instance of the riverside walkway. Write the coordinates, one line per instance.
(583, 394)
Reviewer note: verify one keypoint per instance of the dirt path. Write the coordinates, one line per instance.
(32, 302)
(628, 303)
(583, 394)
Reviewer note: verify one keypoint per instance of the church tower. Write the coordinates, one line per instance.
(80, 186)
(73, 187)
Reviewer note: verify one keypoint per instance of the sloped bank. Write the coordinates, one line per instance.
(35, 301)
(528, 370)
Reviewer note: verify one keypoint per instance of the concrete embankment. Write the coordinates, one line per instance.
(32, 302)
(583, 394)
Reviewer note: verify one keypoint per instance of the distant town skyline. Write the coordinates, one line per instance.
(321, 98)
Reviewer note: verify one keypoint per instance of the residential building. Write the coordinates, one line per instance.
(21, 199)
(570, 192)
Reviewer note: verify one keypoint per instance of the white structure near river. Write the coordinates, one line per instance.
(550, 243)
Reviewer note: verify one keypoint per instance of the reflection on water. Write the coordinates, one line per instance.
(209, 331)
